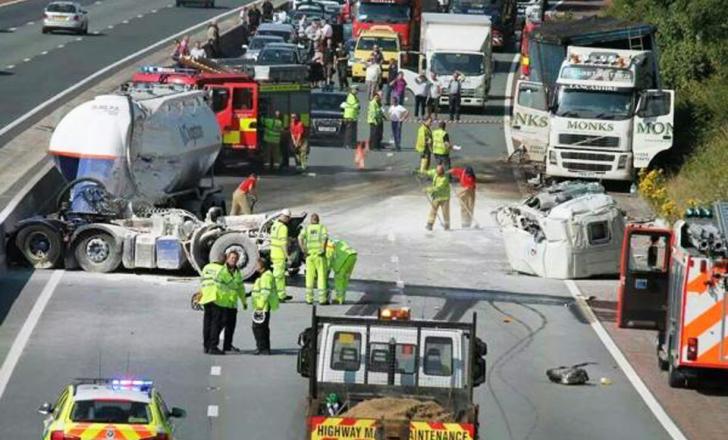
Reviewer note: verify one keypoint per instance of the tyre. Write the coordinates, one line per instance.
(676, 378)
(44, 30)
(98, 251)
(41, 245)
(85, 30)
(247, 249)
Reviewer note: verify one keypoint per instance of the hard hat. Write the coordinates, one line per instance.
(286, 212)
(354, 87)
(258, 316)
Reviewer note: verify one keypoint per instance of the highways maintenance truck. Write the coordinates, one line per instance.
(675, 281)
(391, 377)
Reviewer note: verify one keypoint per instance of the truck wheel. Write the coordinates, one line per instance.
(246, 248)
(676, 378)
(41, 245)
(662, 362)
(98, 251)
(212, 201)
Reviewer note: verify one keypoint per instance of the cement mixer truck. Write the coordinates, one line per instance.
(134, 162)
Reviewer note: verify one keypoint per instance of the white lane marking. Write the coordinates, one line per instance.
(154, 11)
(125, 22)
(140, 15)
(110, 67)
(391, 237)
(79, 38)
(61, 46)
(394, 259)
(111, 26)
(14, 2)
(624, 364)
(30, 23)
(213, 411)
(45, 52)
(215, 370)
(97, 3)
(17, 198)
(21, 340)
(11, 66)
(25, 60)
(508, 99)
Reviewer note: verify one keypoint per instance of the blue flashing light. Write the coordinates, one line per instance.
(131, 384)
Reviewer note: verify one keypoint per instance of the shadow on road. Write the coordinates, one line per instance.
(11, 285)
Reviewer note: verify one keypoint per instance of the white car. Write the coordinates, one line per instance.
(67, 16)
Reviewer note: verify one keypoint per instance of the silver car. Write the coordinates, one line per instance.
(67, 16)
(257, 44)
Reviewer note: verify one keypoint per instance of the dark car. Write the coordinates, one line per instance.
(275, 54)
(327, 126)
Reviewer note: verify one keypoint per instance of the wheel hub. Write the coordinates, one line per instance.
(97, 250)
(39, 244)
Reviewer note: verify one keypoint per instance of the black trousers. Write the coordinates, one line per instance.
(229, 323)
(343, 79)
(420, 106)
(443, 159)
(454, 101)
(261, 332)
(350, 133)
(213, 322)
(375, 136)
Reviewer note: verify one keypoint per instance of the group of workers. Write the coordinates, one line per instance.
(279, 144)
(222, 287)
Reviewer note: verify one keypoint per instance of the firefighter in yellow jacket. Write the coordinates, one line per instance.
(265, 301)
(312, 240)
(439, 196)
(341, 259)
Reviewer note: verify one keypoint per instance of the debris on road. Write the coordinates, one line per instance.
(573, 375)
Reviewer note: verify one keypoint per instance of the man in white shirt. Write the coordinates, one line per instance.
(198, 52)
(372, 76)
(327, 31)
(397, 115)
(433, 99)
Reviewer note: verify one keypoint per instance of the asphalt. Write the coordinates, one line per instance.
(140, 324)
(35, 67)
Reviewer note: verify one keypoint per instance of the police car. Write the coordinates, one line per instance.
(111, 409)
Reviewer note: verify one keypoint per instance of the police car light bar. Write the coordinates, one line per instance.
(399, 314)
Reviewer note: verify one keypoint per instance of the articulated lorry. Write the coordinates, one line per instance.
(675, 280)
(593, 106)
(390, 377)
(455, 42)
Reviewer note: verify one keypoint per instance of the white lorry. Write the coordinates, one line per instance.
(603, 118)
(450, 43)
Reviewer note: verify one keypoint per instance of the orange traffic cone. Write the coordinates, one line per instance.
(360, 154)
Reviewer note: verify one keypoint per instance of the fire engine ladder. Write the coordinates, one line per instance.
(636, 43)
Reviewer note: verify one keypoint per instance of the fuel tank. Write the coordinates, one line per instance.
(150, 142)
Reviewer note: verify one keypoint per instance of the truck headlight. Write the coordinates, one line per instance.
(552, 158)
(622, 164)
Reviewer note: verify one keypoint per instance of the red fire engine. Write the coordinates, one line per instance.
(239, 101)
(675, 281)
(403, 16)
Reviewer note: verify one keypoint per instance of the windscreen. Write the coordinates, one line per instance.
(329, 102)
(591, 104)
(448, 63)
(61, 8)
(277, 56)
(283, 34)
(110, 411)
(385, 44)
(259, 43)
(383, 13)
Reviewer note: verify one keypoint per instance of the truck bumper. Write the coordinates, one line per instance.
(465, 101)
(589, 164)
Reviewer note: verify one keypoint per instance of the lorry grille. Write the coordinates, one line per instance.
(467, 93)
(587, 156)
(588, 140)
(582, 166)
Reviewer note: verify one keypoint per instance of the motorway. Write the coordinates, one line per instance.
(35, 67)
(141, 324)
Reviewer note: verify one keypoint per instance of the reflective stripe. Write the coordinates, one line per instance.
(279, 240)
(314, 236)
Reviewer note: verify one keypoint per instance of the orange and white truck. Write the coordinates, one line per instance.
(675, 281)
(353, 361)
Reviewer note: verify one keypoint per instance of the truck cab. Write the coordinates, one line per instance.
(602, 118)
(401, 15)
(382, 36)
(360, 358)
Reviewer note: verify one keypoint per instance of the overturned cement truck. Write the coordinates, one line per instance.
(568, 230)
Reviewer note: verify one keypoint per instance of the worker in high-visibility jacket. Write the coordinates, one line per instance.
(272, 130)
(214, 316)
(279, 252)
(423, 145)
(441, 146)
(351, 107)
(439, 195)
(231, 291)
(265, 300)
(341, 259)
(312, 240)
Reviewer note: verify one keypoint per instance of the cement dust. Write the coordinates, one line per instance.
(394, 409)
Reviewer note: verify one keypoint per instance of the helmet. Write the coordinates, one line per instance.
(286, 212)
(258, 316)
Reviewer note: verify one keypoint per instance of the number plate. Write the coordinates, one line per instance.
(327, 129)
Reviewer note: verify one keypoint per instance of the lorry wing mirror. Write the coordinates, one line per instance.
(303, 364)
(45, 409)
(219, 100)
(478, 372)
(481, 348)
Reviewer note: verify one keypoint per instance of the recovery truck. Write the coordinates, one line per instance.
(240, 99)
(351, 362)
(675, 280)
(403, 16)
(593, 110)
(455, 42)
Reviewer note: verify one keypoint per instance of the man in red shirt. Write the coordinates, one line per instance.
(298, 142)
(466, 176)
(244, 196)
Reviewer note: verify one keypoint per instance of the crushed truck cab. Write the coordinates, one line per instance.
(352, 362)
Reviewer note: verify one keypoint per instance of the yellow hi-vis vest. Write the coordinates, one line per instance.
(209, 282)
(424, 139)
(351, 107)
(272, 129)
(440, 189)
(337, 251)
(279, 241)
(231, 289)
(314, 236)
(265, 297)
(438, 142)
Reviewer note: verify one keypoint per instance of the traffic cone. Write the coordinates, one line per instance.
(360, 154)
